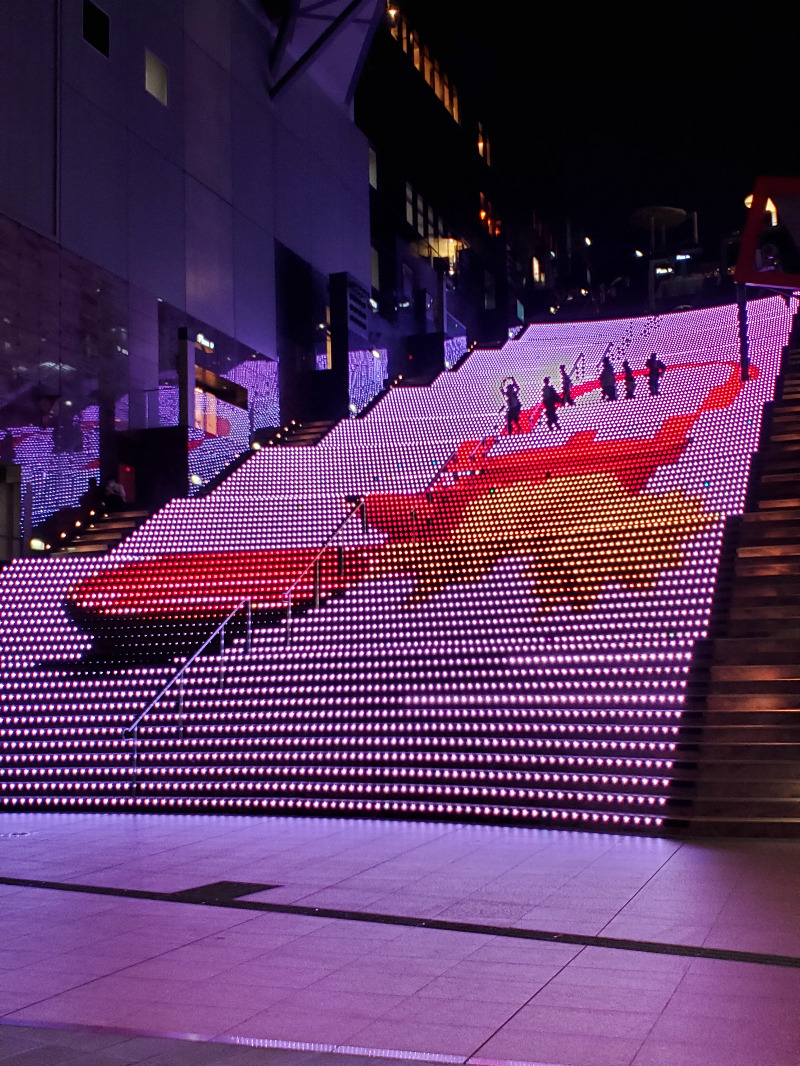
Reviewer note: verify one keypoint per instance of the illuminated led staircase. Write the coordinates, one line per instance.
(511, 642)
(749, 780)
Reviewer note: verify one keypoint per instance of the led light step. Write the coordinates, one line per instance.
(514, 645)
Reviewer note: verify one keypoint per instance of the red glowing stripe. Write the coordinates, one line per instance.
(207, 584)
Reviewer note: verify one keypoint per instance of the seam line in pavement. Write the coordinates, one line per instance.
(197, 898)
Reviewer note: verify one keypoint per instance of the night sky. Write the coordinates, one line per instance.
(601, 114)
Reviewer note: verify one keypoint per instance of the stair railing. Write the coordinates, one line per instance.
(486, 442)
(620, 348)
(579, 362)
(316, 562)
(179, 679)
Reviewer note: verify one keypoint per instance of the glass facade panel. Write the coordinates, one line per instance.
(71, 377)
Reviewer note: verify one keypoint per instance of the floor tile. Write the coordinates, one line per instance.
(561, 1049)
(148, 966)
(428, 1038)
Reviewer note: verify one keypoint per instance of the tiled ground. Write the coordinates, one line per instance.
(108, 979)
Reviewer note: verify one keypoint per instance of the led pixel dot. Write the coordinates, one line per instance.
(448, 622)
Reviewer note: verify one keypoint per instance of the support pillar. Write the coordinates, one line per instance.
(744, 352)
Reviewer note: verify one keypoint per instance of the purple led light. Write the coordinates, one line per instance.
(480, 701)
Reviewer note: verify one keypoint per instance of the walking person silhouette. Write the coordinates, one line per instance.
(630, 380)
(510, 390)
(608, 380)
(655, 371)
(566, 388)
(550, 399)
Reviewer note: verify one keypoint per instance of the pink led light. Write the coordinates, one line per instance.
(378, 699)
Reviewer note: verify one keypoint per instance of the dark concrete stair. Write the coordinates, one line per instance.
(104, 533)
(747, 678)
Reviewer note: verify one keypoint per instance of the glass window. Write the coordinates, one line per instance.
(424, 61)
(408, 282)
(489, 297)
(415, 51)
(95, 27)
(484, 148)
(155, 77)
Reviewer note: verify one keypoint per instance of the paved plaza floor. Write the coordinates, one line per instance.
(223, 940)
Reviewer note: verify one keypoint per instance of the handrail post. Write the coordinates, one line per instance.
(315, 566)
(136, 758)
(180, 704)
(249, 644)
(222, 653)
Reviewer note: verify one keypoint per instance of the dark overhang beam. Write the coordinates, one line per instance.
(285, 32)
(377, 15)
(325, 38)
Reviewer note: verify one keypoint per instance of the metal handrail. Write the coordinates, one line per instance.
(361, 505)
(620, 347)
(441, 469)
(581, 359)
(133, 729)
(492, 435)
